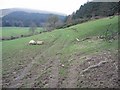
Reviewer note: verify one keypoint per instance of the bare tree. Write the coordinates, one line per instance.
(69, 20)
(32, 28)
(51, 22)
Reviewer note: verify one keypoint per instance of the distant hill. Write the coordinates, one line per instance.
(10, 10)
(24, 17)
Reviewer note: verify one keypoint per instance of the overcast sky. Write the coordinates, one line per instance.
(61, 6)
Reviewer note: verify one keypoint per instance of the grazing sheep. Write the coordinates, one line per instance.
(39, 42)
(32, 42)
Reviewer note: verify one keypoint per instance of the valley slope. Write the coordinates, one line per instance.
(74, 57)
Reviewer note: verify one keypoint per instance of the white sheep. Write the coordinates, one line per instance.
(32, 42)
(39, 42)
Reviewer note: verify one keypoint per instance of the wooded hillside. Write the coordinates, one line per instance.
(93, 10)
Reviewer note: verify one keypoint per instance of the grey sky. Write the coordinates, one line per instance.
(62, 6)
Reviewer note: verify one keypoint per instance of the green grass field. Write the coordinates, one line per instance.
(17, 54)
(17, 31)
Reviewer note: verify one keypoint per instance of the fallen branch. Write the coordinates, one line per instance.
(86, 38)
(93, 66)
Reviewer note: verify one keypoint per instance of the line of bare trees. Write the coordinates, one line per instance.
(52, 23)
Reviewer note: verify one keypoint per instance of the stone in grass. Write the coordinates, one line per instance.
(77, 39)
(62, 65)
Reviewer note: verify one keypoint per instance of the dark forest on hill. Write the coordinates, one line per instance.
(93, 10)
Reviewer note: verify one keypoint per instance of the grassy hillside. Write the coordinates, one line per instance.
(35, 66)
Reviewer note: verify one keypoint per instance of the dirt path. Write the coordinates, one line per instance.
(90, 71)
(19, 78)
(53, 79)
(21, 75)
(72, 76)
(41, 80)
(39, 72)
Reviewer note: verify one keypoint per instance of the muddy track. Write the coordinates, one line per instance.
(70, 80)
(53, 78)
(19, 78)
(17, 81)
(72, 74)
(73, 71)
(49, 77)
(41, 80)
(41, 71)
(90, 71)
